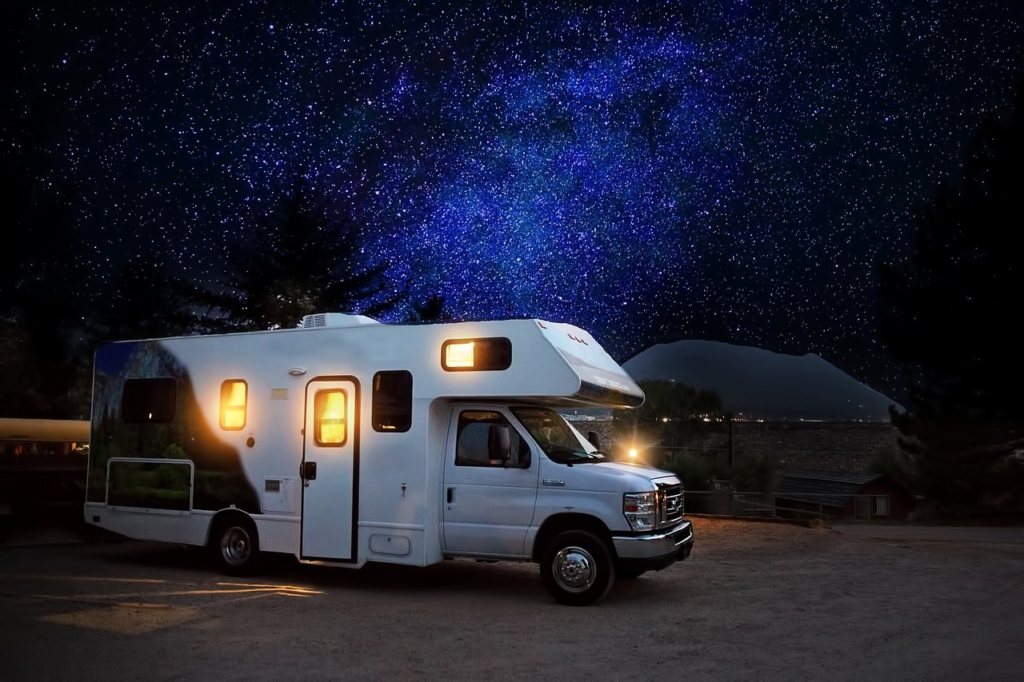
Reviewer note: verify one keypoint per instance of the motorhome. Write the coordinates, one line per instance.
(346, 441)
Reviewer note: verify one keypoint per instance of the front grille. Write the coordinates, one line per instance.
(670, 505)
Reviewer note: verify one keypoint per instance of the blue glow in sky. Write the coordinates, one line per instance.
(642, 169)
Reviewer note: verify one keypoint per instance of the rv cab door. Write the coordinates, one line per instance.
(490, 483)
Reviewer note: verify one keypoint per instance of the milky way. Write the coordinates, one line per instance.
(643, 169)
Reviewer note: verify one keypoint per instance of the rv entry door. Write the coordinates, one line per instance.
(329, 469)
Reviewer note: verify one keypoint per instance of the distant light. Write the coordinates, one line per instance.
(633, 453)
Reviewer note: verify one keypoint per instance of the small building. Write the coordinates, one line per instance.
(813, 493)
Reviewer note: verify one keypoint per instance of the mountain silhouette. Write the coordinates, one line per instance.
(760, 384)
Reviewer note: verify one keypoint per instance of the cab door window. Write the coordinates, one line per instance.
(487, 439)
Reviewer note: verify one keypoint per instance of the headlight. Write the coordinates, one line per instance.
(640, 509)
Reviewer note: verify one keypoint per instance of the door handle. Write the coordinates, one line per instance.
(451, 495)
(308, 471)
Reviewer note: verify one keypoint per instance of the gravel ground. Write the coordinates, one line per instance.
(859, 601)
(756, 601)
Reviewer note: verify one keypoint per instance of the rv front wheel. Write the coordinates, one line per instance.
(577, 568)
(236, 546)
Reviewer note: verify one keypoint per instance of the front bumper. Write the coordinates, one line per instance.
(654, 552)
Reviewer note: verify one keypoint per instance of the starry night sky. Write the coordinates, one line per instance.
(646, 170)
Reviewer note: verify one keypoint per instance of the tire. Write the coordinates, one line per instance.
(577, 568)
(236, 546)
(628, 575)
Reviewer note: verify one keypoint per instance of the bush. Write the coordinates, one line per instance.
(755, 472)
(695, 470)
(893, 463)
(175, 451)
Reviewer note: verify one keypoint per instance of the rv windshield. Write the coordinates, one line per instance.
(556, 437)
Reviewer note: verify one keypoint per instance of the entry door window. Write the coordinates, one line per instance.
(487, 439)
(329, 417)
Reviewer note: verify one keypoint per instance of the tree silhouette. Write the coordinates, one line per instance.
(430, 310)
(44, 369)
(300, 260)
(143, 301)
(949, 313)
(674, 413)
(43, 302)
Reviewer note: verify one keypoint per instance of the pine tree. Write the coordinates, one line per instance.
(43, 361)
(44, 369)
(431, 310)
(144, 301)
(949, 313)
(300, 260)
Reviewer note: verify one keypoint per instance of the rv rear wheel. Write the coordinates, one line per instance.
(577, 568)
(236, 546)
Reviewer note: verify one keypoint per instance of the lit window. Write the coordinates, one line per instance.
(458, 355)
(329, 417)
(476, 354)
(234, 395)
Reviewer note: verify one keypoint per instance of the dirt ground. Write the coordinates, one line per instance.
(862, 601)
(755, 601)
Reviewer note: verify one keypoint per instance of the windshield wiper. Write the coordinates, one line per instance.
(580, 456)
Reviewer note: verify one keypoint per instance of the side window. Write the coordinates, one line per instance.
(460, 355)
(391, 408)
(486, 439)
(234, 398)
(149, 401)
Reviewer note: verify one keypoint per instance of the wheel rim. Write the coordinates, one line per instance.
(235, 546)
(574, 569)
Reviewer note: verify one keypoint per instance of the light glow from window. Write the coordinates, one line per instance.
(234, 395)
(330, 417)
(459, 354)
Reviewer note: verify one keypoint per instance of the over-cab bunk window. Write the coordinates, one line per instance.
(234, 399)
(329, 427)
(149, 401)
(476, 355)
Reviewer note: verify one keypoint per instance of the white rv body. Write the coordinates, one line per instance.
(174, 459)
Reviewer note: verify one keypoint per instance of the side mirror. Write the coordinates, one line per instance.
(594, 440)
(499, 442)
